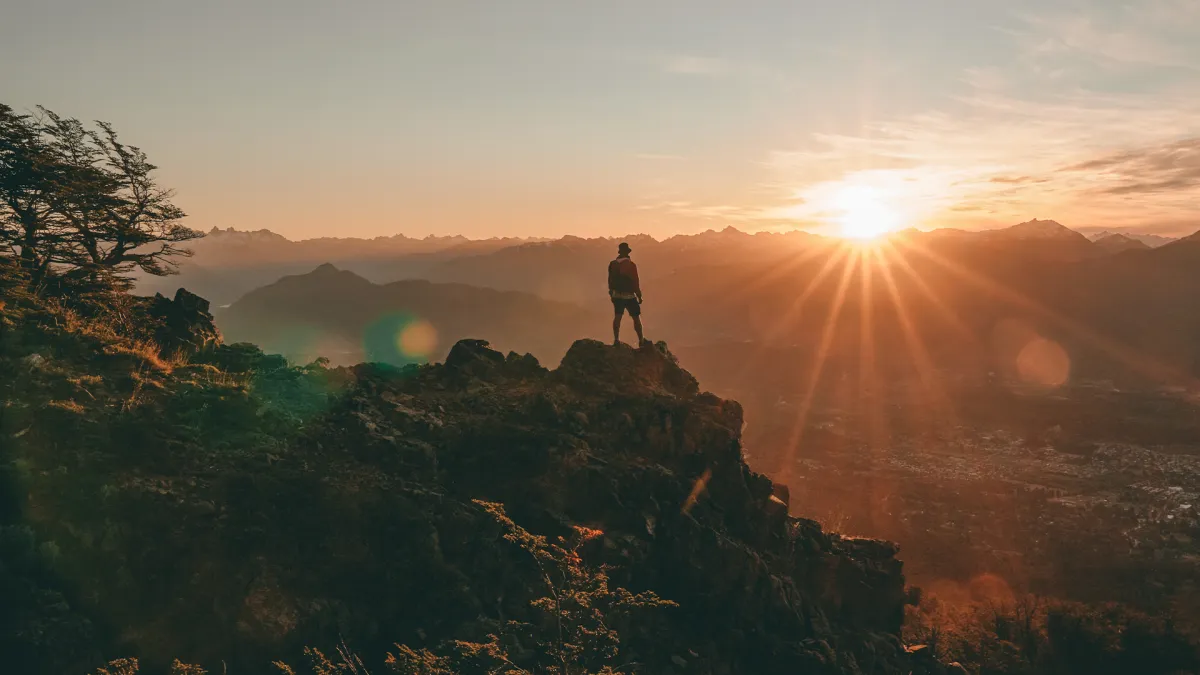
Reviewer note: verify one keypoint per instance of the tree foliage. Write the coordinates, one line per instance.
(77, 205)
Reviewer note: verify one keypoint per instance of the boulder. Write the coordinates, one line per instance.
(594, 365)
(242, 357)
(473, 355)
(184, 324)
(523, 365)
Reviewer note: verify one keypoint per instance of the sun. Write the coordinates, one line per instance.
(863, 213)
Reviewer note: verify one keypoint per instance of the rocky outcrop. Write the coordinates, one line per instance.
(623, 440)
(184, 323)
(219, 521)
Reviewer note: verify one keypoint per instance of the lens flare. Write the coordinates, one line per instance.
(399, 339)
(1044, 362)
(418, 339)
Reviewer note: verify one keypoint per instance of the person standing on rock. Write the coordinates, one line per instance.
(626, 292)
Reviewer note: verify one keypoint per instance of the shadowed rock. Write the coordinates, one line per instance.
(185, 324)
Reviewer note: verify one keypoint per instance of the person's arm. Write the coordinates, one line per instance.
(612, 272)
(637, 284)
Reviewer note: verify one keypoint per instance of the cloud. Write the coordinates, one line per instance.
(1164, 168)
(1015, 141)
(1016, 180)
(1004, 157)
(708, 211)
(756, 215)
(1150, 32)
(1079, 34)
(1094, 119)
(655, 157)
(664, 206)
(696, 65)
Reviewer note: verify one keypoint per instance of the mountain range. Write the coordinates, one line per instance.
(1151, 240)
(1113, 304)
(342, 316)
(228, 263)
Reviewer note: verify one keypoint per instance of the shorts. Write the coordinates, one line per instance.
(621, 305)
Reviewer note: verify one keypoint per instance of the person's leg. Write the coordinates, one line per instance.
(618, 310)
(635, 313)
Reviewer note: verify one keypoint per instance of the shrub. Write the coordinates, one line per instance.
(576, 634)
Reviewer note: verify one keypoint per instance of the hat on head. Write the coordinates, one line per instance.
(623, 248)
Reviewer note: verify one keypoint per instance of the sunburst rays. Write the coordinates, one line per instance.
(853, 257)
(906, 293)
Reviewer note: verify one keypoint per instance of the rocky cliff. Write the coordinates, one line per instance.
(229, 508)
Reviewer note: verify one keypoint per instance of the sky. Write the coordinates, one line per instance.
(543, 117)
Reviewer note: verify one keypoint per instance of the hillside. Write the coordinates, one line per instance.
(226, 509)
(347, 319)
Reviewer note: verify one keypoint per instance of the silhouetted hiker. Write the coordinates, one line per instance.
(626, 292)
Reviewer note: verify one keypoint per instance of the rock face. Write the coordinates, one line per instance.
(185, 323)
(327, 503)
(617, 439)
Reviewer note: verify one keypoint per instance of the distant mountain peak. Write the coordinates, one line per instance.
(1040, 229)
(325, 275)
(1116, 242)
(1149, 239)
(1042, 225)
(245, 236)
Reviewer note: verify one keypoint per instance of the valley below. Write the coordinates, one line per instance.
(1086, 492)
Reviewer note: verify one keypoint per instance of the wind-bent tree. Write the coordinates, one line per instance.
(30, 232)
(78, 204)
